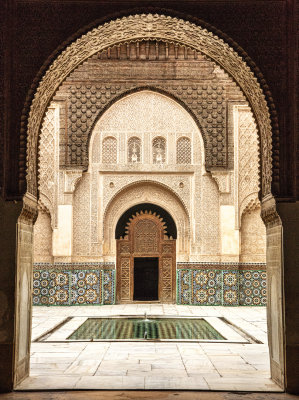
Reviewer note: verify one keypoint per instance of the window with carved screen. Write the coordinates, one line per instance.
(183, 151)
(134, 150)
(159, 150)
(109, 150)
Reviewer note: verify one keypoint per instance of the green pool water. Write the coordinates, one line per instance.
(135, 328)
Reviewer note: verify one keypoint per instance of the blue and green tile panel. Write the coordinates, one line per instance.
(198, 283)
(222, 284)
(65, 284)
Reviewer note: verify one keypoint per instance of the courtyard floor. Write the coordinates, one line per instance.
(240, 365)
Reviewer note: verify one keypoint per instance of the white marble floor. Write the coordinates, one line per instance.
(153, 365)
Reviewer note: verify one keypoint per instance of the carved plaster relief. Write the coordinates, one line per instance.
(43, 238)
(205, 97)
(247, 182)
(209, 217)
(160, 116)
(71, 178)
(179, 184)
(145, 193)
(223, 180)
(48, 160)
(81, 217)
(149, 26)
(253, 237)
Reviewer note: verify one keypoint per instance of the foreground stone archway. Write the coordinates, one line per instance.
(174, 30)
(150, 26)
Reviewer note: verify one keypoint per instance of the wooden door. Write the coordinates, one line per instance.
(145, 237)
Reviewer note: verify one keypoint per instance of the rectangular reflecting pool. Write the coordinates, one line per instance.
(144, 329)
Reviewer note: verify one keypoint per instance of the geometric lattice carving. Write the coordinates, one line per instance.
(47, 153)
(183, 151)
(167, 279)
(248, 150)
(134, 150)
(109, 151)
(125, 278)
(82, 217)
(207, 103)
(159, 150)
(146, 237)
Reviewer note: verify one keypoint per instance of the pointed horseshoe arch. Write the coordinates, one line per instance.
(149, 26)
(175, 30)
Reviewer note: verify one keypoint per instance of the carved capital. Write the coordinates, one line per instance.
(223, 180)
(71, 178)
(269, 212)
(29, 211)
(250, 203)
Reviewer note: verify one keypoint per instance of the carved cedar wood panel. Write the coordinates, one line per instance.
(145, 237)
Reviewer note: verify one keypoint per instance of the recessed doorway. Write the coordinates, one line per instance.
(146, 278)
(146, 259)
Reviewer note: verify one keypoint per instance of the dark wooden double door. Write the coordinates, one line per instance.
(145, 262)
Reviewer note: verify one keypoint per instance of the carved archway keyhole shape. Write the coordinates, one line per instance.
(146, 237)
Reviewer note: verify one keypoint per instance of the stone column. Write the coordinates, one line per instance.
(275, 293)
(289, 215)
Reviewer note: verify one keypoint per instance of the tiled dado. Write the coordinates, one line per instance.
(221, 284)
(73, 284)
(197, 284)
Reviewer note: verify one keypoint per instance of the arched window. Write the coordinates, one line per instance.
(134, 150)
(159, 150)
(183, 151)
(109, 150)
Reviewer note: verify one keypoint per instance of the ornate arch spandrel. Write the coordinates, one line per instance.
(146, 237)
(144, 192)
(150, 26)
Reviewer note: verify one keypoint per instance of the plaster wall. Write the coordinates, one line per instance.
(62, 235)
(229, 235)
(208, 203)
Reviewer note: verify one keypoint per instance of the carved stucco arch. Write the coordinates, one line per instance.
(203, 136)
(188, 113)
(150, 26)
(145, 192)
